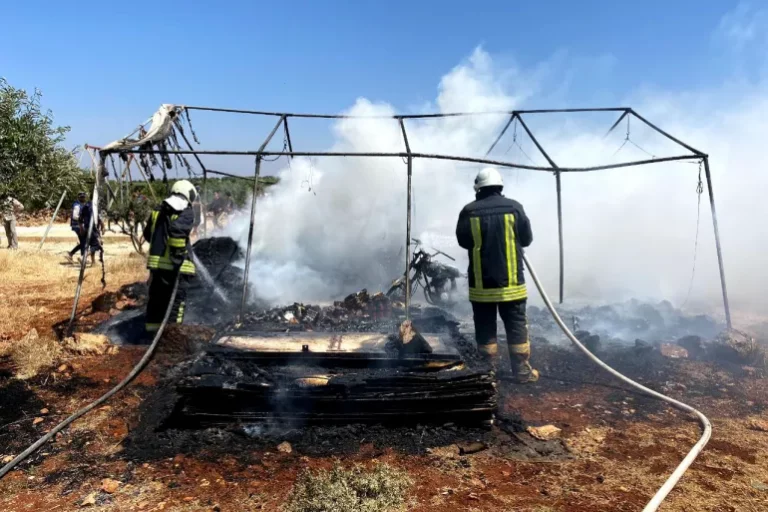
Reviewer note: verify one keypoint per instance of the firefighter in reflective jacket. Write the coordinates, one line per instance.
(494, 229)
(167, 230)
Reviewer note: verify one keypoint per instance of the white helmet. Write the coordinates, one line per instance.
(488, 177)
(185, 189)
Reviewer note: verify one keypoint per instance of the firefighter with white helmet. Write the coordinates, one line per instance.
(167, 231)
(494, 229)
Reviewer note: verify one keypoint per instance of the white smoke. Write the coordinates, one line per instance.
(333, 226)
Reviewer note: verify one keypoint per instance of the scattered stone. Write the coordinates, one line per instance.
(89, 500)
(545, 433)
(673, 351)
(740, 348)
(759, 425)
(37, 421)
(110, 486)
(44, 411)
(285, 447)
(469, 449)
(62, 368)
(7, 459)
(760, 486)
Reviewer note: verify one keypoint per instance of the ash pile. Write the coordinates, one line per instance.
(355, 361)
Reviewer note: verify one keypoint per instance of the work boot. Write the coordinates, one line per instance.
(519, 356)
(488, 353)
(523, 373)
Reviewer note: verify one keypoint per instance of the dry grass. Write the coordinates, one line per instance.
(36, 286)
(381, 489)
(31, 354)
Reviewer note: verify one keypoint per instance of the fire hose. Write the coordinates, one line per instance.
(85, 410)
(670, 483)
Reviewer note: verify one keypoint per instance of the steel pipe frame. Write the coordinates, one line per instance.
(454, 158)
(625, 111)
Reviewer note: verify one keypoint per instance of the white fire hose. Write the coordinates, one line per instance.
(662, 493)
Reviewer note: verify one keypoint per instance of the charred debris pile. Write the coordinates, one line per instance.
(350, 362)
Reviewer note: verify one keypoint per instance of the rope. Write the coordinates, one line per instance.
(627, 139)
(308, 180)
(85, 410)
(516, 143)
(670, 483)
(699, 191)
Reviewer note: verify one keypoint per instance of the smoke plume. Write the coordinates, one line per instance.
(333, 226)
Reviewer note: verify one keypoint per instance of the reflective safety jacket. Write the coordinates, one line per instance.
(167, 231)
(494, 229)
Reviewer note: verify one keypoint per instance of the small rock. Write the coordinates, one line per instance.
(44, 411)
(673, 351)
(216, 508)
(89, 500)
(110, 486)
(545, 433)
(759, 425)
(189, 498)
(7, 459)
(37, 421)
(62, 368)
(760, 486)
(623, 489)
(142, 505)
(285, 447)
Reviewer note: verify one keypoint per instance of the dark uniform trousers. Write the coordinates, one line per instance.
(160, 290)
(515, 324)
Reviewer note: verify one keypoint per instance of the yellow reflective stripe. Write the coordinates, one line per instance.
(180, 315)
(151, 327)
(509, 242)
(477, 266)
(507, 294)
(187, 268)
(154, 220)
(177, 243)
(520, 348)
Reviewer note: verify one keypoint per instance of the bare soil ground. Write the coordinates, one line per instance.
(622, 445)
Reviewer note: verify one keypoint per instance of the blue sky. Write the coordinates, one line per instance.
(105, 66)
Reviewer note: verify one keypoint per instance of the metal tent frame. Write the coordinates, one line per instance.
(410, 155)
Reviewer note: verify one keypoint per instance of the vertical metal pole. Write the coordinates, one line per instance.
(558, 187)
(244, 298)
(560, 233)
(203, 200)
(55, 213)
(408, 244)
(407, 223)
(717, 244)
(257, 172)
(94, 220)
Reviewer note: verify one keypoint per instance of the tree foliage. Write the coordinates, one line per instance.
(34, 165)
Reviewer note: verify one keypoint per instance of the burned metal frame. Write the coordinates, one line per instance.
(409, 155)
